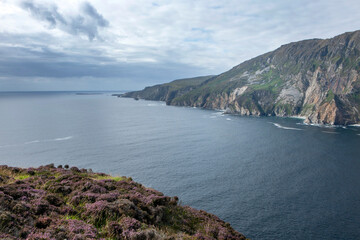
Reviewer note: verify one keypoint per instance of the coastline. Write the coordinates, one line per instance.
(236, 114)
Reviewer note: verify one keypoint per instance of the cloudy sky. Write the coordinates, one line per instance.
(130, 44)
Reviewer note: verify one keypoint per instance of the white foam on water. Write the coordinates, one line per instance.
(229, 119)
(218, 113)
(39, 141)
(5, 146)
(330, 132)
(287, 128)
(63, 139)
(298, 117)
(328, 125)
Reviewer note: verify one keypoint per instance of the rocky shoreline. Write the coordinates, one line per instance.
(69, 203)
(317, 79)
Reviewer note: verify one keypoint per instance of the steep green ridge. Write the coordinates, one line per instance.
(59, 203)
(168, 91)
(317, 79)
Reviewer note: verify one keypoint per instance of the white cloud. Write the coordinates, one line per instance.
(210, 36)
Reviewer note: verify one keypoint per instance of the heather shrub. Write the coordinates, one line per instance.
(40, 236)
(57, 203)
(114, 229)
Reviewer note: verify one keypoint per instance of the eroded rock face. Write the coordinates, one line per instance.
(316, 79)
(55, 203)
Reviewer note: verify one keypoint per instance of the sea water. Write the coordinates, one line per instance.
(270, 178)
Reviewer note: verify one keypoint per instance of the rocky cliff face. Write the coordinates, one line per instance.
(57, 203)
(315, 79)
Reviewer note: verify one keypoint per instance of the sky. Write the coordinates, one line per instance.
(129, 44)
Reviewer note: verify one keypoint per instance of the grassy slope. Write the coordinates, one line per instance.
(167, 91)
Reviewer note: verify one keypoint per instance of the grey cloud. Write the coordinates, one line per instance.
(87, 23)
(48, 14)
(22, 62)
(92, 12)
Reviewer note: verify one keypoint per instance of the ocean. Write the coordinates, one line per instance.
(269, 177)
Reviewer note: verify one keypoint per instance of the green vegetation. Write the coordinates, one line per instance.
(356, 99)
(22, 177)
(315, 65)
(335, 59)
(72, 217)
(117, 179)
(294, 68)
(272, 82)
(286, 107)
(307, 108)
(168, 91)
(329, 96)
(187, 82)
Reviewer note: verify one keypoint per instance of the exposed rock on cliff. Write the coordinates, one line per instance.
(55, 203)
(316, 79)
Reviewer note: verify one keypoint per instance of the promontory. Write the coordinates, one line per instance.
(69, 203)
(316, 79)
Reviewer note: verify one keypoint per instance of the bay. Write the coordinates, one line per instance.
(270, 178)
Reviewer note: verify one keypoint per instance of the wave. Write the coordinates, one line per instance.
(298, 117)
(218, 113)
(63, 139)
(287, 128)
(155, 104)
(326, 125)
(35, 141)
(38, 141)
(12, 145)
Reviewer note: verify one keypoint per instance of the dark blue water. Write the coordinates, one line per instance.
(269, 182)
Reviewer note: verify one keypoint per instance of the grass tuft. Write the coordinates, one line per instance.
(22, 177)
(117, 179)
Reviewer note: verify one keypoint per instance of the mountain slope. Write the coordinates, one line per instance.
(168, 91)
(317, 79)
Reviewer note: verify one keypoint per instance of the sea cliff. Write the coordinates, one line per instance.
(69, 203)
(316, 79)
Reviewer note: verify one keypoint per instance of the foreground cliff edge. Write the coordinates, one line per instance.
(57, 203)
(317, 79)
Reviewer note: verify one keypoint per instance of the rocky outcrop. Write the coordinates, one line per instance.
(317, 79)
(57, 203)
